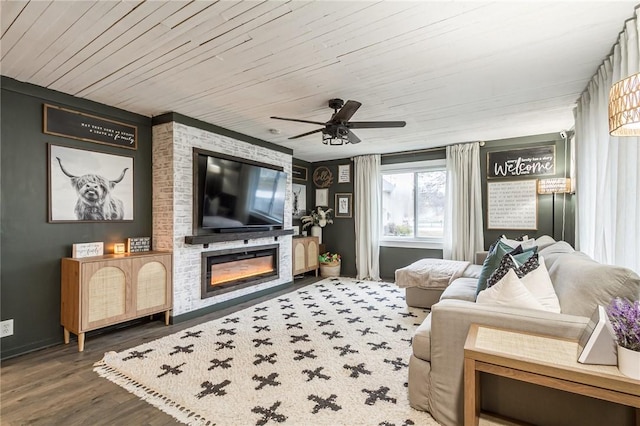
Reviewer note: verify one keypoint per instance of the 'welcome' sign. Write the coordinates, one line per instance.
(537, 161)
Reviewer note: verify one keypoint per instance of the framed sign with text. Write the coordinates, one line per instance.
(512, 205)
(299, 173)
(525, 162)
(72, 124)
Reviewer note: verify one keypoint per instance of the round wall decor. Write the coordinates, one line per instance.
(322, 177)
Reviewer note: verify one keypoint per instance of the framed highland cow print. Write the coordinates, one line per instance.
(89, 186)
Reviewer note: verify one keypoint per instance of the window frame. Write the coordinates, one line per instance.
(414, 242)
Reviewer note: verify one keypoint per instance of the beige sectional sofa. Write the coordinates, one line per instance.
(436, 366)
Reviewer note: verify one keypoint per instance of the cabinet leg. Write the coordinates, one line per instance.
(167, 314)
(80, 342)
(66, 336)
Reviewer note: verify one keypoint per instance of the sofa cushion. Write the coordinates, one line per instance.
(544, 241)
(473, 271)
(461, 289)
(509, 291)
(510, 262)
(538, 282)
(422, 340)
(525, 242)
(582, 284)
(553, 251)
(496, 253)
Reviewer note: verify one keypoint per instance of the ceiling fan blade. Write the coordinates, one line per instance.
(306, 134)
(375, 124)
(352, 137)
(346, 112)
(299, 121)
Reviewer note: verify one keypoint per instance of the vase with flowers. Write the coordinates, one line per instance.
(317, 219)
(624, 316)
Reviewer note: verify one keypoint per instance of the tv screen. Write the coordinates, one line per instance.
(237, 195)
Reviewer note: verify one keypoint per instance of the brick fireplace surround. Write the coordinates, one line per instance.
(172, 159)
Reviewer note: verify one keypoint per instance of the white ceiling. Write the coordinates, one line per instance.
(454, 71)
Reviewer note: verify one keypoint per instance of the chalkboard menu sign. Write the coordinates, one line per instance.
(78, 125)
(536, 161)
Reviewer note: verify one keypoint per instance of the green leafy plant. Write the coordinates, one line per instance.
(329, 258)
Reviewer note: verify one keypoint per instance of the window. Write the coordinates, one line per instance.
(413, 204)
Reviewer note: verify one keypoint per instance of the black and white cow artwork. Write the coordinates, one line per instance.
(95, 201)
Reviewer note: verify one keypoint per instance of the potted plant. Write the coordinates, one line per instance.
(624, 316)
(317, 219)
(329, 264)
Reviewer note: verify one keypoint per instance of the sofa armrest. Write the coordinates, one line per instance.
(450, 321)
(480, 257)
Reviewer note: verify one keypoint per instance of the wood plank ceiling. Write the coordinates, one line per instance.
(454, 71)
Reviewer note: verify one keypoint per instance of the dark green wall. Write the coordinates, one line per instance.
(546, 215)
(31, 247)
(341, 238)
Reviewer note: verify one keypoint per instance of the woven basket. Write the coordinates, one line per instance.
(330, 269)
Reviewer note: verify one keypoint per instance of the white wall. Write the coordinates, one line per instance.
(172, 157)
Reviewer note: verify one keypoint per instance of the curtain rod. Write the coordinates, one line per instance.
(420, 151)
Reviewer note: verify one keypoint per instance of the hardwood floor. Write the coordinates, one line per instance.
(57, 385)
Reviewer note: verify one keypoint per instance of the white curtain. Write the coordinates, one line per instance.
(367, 188)
(608, 181)
(463, 218)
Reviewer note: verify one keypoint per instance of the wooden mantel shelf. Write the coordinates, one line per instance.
(234, 236)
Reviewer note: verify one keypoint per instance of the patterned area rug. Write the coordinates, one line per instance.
(332, 353)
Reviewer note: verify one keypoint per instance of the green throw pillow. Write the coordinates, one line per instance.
(496, 252)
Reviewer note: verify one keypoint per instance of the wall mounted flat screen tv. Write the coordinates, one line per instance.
(236, 195)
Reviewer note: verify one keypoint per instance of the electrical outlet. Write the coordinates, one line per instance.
(6, 328)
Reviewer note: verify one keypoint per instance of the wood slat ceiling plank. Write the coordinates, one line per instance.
(170, 51)
(192, 52)
(50, 26)
(22, 25)
(242, 20)
(77, 45)
(127, 35)
(9, 11)
(194, 60)
(192, 14)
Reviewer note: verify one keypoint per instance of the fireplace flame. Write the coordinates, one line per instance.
(238, 270)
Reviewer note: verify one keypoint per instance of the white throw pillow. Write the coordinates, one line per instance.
(539, 284)
(525, 243)
(509, 291)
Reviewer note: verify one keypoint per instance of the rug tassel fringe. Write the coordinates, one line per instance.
(153, 397)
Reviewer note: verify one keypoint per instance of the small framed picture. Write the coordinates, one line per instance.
(299, 173)
(322, 197)
(344, 173)
(299, 207)
(344, 203)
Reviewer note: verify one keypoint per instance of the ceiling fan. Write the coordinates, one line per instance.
(339, 127)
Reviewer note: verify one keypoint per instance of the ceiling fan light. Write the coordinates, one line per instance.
(624, 107)
(328, 139)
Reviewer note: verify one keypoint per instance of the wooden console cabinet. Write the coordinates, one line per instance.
(305, 255)
(105, 290)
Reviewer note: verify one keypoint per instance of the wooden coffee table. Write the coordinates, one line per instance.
(542, 360)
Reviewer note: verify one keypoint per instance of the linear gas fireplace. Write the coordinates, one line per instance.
(233, 269)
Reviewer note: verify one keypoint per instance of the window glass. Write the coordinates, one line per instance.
(413, 202)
